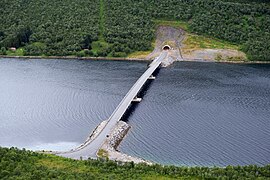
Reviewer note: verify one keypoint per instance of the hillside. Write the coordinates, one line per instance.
(21, 164)
(118, 28)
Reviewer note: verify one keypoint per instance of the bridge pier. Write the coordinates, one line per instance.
(137, 100)
(151, 77)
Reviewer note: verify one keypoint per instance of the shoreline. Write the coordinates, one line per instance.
(77, 58)
(224, 61)
(130, 59)
(108, 149)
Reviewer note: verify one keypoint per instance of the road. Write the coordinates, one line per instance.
(90, 150)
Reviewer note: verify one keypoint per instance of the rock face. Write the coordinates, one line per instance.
(166, 35)
(171, 37)
(111, 143)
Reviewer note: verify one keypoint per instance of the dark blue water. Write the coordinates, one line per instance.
(192, 114)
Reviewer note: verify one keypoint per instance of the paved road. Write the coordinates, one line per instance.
(90, 150)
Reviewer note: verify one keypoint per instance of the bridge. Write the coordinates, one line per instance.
(90, 149)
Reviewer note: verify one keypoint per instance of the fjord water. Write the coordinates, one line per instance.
(55, 104)
(194, 113)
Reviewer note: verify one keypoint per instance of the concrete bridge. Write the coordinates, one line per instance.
(89, 150)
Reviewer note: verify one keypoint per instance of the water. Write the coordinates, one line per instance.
(55, 104)
(193, 114)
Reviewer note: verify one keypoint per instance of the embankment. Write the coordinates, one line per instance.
(109, 147)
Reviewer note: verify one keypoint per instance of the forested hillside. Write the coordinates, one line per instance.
(129, 27)
(49, 27)
(245, 24)
(21, 164)
(117, 28)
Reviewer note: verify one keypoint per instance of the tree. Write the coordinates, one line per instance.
(3, 51)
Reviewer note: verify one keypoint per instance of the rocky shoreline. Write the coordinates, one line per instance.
(90, 138)
(109, 147)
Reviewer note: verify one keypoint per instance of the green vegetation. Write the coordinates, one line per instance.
(118, 28)
(100, 48)
(240, 23)
(103, 153)
(18, 52)
(200, 42)
(101, 20)
(139, 54)
(22, 164)
(128, 27)
(176, 24)
(49, 27)
(248, 1)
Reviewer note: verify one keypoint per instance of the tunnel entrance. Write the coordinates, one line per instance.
(166, 47)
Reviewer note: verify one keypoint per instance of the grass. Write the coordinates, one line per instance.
(139, 54)
(79, 167)
(18, 52)
(102, 20)
(176, 24)
(193, 41)
(22, 164)
(39, 44)
(99, 45)
(54, 162)
(170, 43)
(142, 54)
(102, 153)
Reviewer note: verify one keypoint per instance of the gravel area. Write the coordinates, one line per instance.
(166, 35)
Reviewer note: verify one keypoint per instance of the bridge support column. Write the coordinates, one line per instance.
(152, 77)
(137, 100)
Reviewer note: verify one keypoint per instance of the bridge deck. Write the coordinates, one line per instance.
(91, 149)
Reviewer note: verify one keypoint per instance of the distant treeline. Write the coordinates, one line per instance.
(46, 27)
(22, 164)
